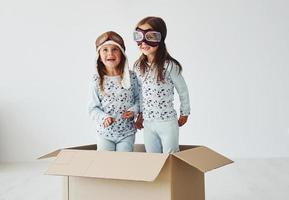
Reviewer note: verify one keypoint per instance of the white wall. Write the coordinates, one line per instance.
(234, 55)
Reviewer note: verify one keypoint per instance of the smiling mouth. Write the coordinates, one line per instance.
(110, 60)
(145, 48)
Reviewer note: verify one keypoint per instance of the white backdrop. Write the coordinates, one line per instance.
(235, 55)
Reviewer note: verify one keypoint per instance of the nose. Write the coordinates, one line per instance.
(142, 43)
(109, 52)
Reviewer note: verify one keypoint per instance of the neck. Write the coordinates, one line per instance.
(111, 71)
(150, 58)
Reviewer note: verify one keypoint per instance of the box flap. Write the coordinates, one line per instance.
(56, 152)
(186, 147)
(203, 158)
(50, 155)
(108, 165)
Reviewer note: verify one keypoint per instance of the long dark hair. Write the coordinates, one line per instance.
(162, 54)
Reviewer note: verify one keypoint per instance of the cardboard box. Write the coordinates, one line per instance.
(91, 175)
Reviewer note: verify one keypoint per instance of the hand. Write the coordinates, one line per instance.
(108, 121)
(139, 122)
(127, 114)
(182, 120)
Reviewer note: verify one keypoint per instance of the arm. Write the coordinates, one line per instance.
(135, 108)
(94, 104)
(183, 93)
(139, 121)
(139, 86)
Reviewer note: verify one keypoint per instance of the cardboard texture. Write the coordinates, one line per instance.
(90, 174)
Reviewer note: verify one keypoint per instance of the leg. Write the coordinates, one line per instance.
(151, 139)
(168, 131)
(126, 144)
(104, 144)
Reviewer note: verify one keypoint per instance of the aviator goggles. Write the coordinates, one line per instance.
(109, 36)
(150, 37)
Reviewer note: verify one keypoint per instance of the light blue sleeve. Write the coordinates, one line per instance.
(135, 89)
(139, 86)
(181, 87)
(94, 104)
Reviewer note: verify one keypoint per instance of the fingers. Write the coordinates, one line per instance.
(139, 122)
(181, 123)
(182, 120)
(138, 125)
(127, 114)
(108, 121)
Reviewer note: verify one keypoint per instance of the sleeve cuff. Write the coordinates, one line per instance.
(185, 113)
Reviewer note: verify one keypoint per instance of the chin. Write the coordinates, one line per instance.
(146, 52)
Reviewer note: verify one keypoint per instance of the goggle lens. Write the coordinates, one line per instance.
(153, 36)
(137, 36)
(150, 37)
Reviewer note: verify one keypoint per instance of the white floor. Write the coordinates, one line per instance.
(248, 179)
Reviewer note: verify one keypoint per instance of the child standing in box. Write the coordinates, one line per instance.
(114, 97)
(159, 74)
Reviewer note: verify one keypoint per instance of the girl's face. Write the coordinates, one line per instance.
(110, 55)
(145, 48)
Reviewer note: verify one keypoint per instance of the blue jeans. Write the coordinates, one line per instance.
(126, 144)
(161, 136)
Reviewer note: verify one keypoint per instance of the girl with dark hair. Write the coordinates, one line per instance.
(158, 74)
(114, 95)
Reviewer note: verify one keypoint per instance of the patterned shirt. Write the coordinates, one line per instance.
(156, 99)
(113, 102)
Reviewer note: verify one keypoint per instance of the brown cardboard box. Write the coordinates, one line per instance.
(91, 175)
